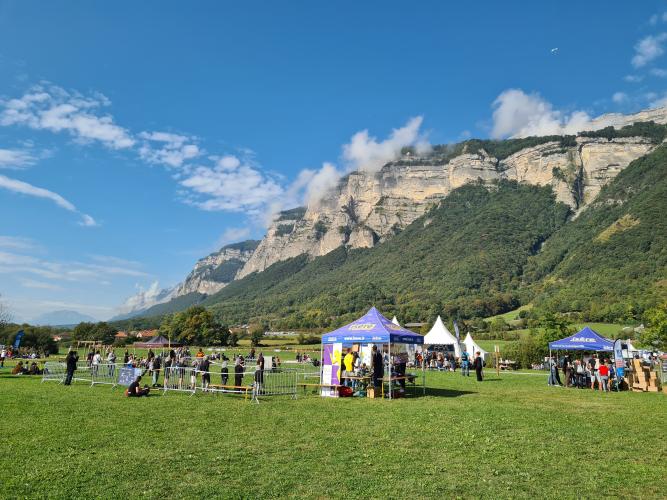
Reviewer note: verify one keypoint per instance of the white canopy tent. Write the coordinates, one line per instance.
(440, 335)
(473, 347)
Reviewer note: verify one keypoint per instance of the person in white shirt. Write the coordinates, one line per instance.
(3, 355)
(97, 359)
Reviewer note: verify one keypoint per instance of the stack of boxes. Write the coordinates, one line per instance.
(642, 378)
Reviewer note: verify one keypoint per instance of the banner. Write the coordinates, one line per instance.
(618, 357)
(456, 329)
(17, 339)
(127, 375)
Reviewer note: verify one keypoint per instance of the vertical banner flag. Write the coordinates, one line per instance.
(618, 356)
(17, 339)
(456, 329)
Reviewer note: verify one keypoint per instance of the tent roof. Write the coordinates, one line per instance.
(473, 346)
(157, 341)
(584, 340)
(372, 327)
(394, 320)
(439, 334)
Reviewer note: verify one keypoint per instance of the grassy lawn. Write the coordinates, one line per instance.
(505, 437)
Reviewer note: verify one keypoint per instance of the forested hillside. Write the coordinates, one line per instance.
(610, 263)
(465, 257)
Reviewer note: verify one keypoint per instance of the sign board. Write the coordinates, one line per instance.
(618, 357)
(127, 375)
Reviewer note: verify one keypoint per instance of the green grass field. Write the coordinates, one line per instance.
(506, 437)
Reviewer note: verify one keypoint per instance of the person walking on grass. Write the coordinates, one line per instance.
(157, 364)
(224, 370)
(478, 364)
(238, 372)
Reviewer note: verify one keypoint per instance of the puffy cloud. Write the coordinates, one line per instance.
(364, 152)
(232, 235)
(648, 49)
(55, 109)
(144, 298)
(15, 158)
(168, 149)
(231, 185)
(659, 72)
(619, 97)
(633, 78)
(518, 114)
(30, 190)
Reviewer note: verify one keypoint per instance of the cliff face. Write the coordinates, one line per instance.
(216, 270)
(366, 208)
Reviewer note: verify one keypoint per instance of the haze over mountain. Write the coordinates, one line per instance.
(61, 318)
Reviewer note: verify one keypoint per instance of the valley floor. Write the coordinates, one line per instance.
(505, 437)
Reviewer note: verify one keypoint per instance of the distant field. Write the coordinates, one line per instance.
(507, 437)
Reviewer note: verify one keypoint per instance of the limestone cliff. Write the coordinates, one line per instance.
(366, 208)
(216, 270)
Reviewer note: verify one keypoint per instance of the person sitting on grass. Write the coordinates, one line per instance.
(135, 390)
(18, 369)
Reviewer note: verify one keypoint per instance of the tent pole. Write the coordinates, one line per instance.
(390, 365)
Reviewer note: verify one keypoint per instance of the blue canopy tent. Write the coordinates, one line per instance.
(584, 340)
(371, 329)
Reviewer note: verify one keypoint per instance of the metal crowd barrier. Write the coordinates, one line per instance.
(54, 371)
(180, 378)
(276, 382)
(104, 374)
(83, 373)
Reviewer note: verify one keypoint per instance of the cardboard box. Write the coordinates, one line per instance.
(370, 393)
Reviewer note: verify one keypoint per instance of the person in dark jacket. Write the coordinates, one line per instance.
(70, 364)
(224, 371)
(377, 365)
(478, 364)
(238, 372)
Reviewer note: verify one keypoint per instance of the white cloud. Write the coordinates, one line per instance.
(41, 285)
(657, 101)
(633, 78)
(168, 149)
(88, 221)
(54, 109)
(231, 186)
(518, 114)
(15, 158)
(30, 190)
(232, 235)
(619, 97)
(364, 152)
(17, 243)
(659, 72)
(648, 49)
(144, 298)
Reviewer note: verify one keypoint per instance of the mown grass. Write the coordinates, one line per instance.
(506, 437)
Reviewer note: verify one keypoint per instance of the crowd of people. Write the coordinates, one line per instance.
(446, 361)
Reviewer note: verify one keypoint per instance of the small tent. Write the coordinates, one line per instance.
(395, 321)
(157, 342)
(473, 347)
(440, 335)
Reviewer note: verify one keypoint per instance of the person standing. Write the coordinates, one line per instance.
(3, 355)
(465, 364)
(204, 367)
(238, 372)
(224, 371)
(70, 364)
(478, 364)
(377, 366)
(603, 371)
(157, 364)
(593, 370)
(348, 364)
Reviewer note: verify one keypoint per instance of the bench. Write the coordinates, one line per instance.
(231, 388)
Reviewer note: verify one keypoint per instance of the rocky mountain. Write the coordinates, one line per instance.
(367, 208)
(216, 270)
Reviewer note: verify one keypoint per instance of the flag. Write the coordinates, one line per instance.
(17, 339)
(456, 329)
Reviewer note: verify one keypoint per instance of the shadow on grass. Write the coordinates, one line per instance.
(444, 393)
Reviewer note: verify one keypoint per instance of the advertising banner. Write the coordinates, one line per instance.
(618, 356)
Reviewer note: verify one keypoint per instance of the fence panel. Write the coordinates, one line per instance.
(54, 371)
(83, 373)
(276, 382)
(180, 378)
(104, 374)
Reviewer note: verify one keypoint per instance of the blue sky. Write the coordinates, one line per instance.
(136, 137)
